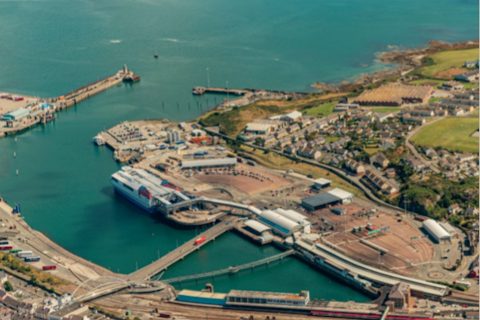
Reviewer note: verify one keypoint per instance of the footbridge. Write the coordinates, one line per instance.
(231, 269)
(182, 251)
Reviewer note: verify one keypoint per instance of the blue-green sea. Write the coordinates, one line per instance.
(48, 47)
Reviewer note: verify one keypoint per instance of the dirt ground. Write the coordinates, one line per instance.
(246, 179)
(450, 73)
(405, 245)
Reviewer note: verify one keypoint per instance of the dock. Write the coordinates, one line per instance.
(198, 91)
(246, 96)
(37, 114)
(80, 94)
(232, 269)
(182, 251)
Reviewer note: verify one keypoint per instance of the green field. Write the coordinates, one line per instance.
(453, 133)
(446, 60)
(427, 82)
(321, 110)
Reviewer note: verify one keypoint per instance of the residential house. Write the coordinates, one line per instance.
(310, 153)
(379, 160)
(471, 76)
(379, 183)
(355, 167)
(454, 209)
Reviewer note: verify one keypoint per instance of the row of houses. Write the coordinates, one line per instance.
(51, 308)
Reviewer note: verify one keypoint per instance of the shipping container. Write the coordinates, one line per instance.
(5, 248)
(24, 253)
(51, 267)
(4, 242)
(15, 250)
(31, 259)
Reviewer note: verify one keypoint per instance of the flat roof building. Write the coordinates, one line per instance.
(201, 297)
(321, 183)
(257, 227)
(346, 196)
(320, 201)
(16, 115)
(260, 127)
(244, 297)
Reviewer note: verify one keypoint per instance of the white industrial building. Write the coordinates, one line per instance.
(345, 196)
(209, 163)
(321, 183)
(257, 226)
(435, 230)
(263, 231)
(279, 223)
(296, 217)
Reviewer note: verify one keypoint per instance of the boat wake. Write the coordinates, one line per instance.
(115, 41)
(170, 40)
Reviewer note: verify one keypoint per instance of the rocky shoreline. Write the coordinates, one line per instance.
(405, 61)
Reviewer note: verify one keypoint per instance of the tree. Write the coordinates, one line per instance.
(8, 286)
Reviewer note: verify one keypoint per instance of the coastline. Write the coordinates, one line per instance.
(42, 243)
(403, 60)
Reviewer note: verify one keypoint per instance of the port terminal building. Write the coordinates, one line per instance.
(244, 298)
(284, 222)
(325, 199)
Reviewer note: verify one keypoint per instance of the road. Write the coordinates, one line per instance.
(355, 181)
(182, 251)
(427, 163)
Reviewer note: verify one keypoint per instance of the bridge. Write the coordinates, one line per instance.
(102, 292)
(203, 199)
(182, 251)
(231, 269)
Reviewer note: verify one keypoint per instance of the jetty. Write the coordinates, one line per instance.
(246, 96)
(43, 110)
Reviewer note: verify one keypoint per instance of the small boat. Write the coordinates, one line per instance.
(155, 56)
(131, 78)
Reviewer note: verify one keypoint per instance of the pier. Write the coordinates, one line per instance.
(232, 269)
(247, 95)
(198, 91)
(182, 251)
(92, 89)
(37, 114)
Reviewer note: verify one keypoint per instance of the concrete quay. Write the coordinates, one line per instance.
(355, 268)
